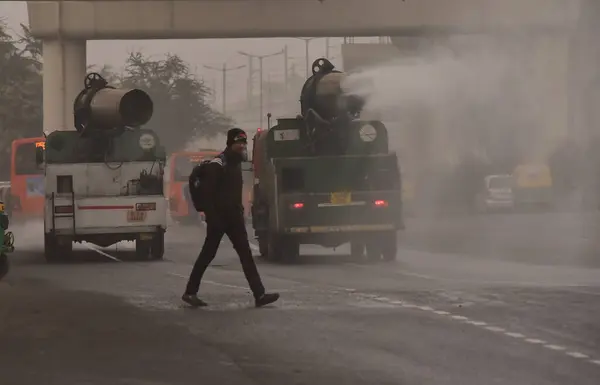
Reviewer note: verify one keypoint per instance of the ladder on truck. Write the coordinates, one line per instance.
(70, 214)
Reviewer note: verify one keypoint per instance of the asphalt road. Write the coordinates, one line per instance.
(566, 238)
(430, 318)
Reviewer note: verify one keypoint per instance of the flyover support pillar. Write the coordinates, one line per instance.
(63, 75)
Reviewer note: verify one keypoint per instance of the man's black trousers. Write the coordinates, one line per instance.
(236, 231)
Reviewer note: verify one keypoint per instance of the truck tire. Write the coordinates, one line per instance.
(389, 247)
(4, 266)
(142, 249)
(357, 251)
(373, 251)
(384, 247)
(263, 246)
(282, 249)
(54, 251)
(157, 246)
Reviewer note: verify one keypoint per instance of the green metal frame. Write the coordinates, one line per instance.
(6, 241)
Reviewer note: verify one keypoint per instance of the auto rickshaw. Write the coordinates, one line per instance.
(6, 241)
(533, 185)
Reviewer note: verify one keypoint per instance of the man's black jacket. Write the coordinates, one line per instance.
(223, 183)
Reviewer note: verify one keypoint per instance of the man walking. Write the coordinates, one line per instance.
(224, 212)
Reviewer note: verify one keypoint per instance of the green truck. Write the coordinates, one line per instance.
(6, 241)
(326, 178)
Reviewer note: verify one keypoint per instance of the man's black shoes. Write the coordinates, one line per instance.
(266, 299)
(193, 300)
(263, 300)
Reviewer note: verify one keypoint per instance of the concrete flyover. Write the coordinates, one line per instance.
(281, 18)
(65, 26)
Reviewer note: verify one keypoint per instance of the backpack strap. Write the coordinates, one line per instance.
(220, 159)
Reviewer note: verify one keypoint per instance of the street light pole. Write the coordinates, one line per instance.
(224, 71)
(260, 70)
(307, 52)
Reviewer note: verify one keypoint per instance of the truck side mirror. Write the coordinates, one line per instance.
(39, 155)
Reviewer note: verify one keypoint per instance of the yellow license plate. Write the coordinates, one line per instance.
(341, 198)
(136, 216)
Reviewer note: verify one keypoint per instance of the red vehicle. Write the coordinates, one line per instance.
(179, 169)
(26, 179)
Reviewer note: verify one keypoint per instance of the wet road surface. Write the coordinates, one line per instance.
(430, 318)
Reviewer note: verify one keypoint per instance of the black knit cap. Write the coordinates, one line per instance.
(236, 135)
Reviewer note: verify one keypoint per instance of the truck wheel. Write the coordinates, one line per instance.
(357, 251)
(263, 246)
(281, 248)
(142, 249)
(55, 251)
(157, 246)
(291, 251)
(4, 266)
(373, 251)
(389, 247)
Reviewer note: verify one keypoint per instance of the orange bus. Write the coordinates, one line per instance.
(26, 179)
(179, 169)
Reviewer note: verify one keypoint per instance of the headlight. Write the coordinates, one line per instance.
(147, 142)
(367, 133)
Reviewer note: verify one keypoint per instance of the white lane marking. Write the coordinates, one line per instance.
(441, 312)
(101, 252)
(491, 328)
(382, 299)
(577, 355)
(494, 329)
(554, 347)
(535, 341)
(477, 323)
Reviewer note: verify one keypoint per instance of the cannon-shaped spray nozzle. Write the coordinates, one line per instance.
(102, 107)
(323, 95)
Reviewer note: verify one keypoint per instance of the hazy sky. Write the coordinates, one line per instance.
(196, 52)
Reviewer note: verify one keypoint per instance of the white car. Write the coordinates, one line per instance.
(497, 194)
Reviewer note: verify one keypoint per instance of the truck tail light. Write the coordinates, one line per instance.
(63, 209)
(380, 203)
(298, 205)
(145, 206)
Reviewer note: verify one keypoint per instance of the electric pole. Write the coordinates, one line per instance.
(224, 71)
(260, 70)
(307, 41)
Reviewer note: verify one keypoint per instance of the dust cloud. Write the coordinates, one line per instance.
(459, 108)
(215, 143)
(460, 103)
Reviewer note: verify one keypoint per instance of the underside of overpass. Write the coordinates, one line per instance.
(66, 26)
